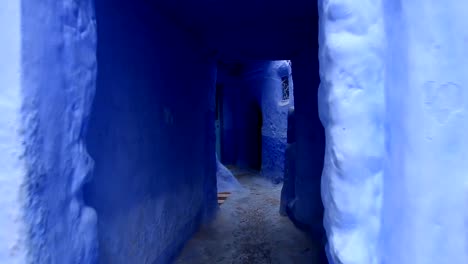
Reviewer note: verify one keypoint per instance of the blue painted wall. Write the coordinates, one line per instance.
(392, 101)
(275, 116)
(58, 71)
(13, 247)
(425, 188)
(306, 209)
(352, 110)
(150, 132)
(151, 135)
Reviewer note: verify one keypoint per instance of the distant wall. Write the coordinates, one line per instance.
(151, 135)
(255, 117)
(275, 116)
(242, 121)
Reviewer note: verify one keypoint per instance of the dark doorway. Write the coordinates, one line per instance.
(255, 155)
(219, 119)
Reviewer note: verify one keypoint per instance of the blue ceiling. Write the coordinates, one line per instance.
(247, 29)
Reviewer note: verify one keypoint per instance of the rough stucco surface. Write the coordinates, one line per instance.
(351, 107)
(59, 70)
(151, 135)
(12, 169)
(426, 189)
(414, 214)
(275, 116)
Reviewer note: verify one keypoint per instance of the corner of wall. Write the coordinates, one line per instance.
(58, 81)
(13, 244)
(352, 111)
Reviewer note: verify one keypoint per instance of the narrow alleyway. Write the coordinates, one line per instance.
(249, 229)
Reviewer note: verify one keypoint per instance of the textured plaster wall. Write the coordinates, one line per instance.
(275, 115)
(58, 50)
(426, 187)
(12, 167)
(393, 102)
(351, 104)
(151, 135)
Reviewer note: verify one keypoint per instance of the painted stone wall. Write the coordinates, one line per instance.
(352, 110)
(394, 109)
(426, 189)
(58, 80)
(275, 116)
(12, 167)
(151, 135)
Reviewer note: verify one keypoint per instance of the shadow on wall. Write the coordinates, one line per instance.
(254, 153)
(301, 194)
(151, 135)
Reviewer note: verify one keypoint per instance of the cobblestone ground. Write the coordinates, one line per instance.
(249, 230)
